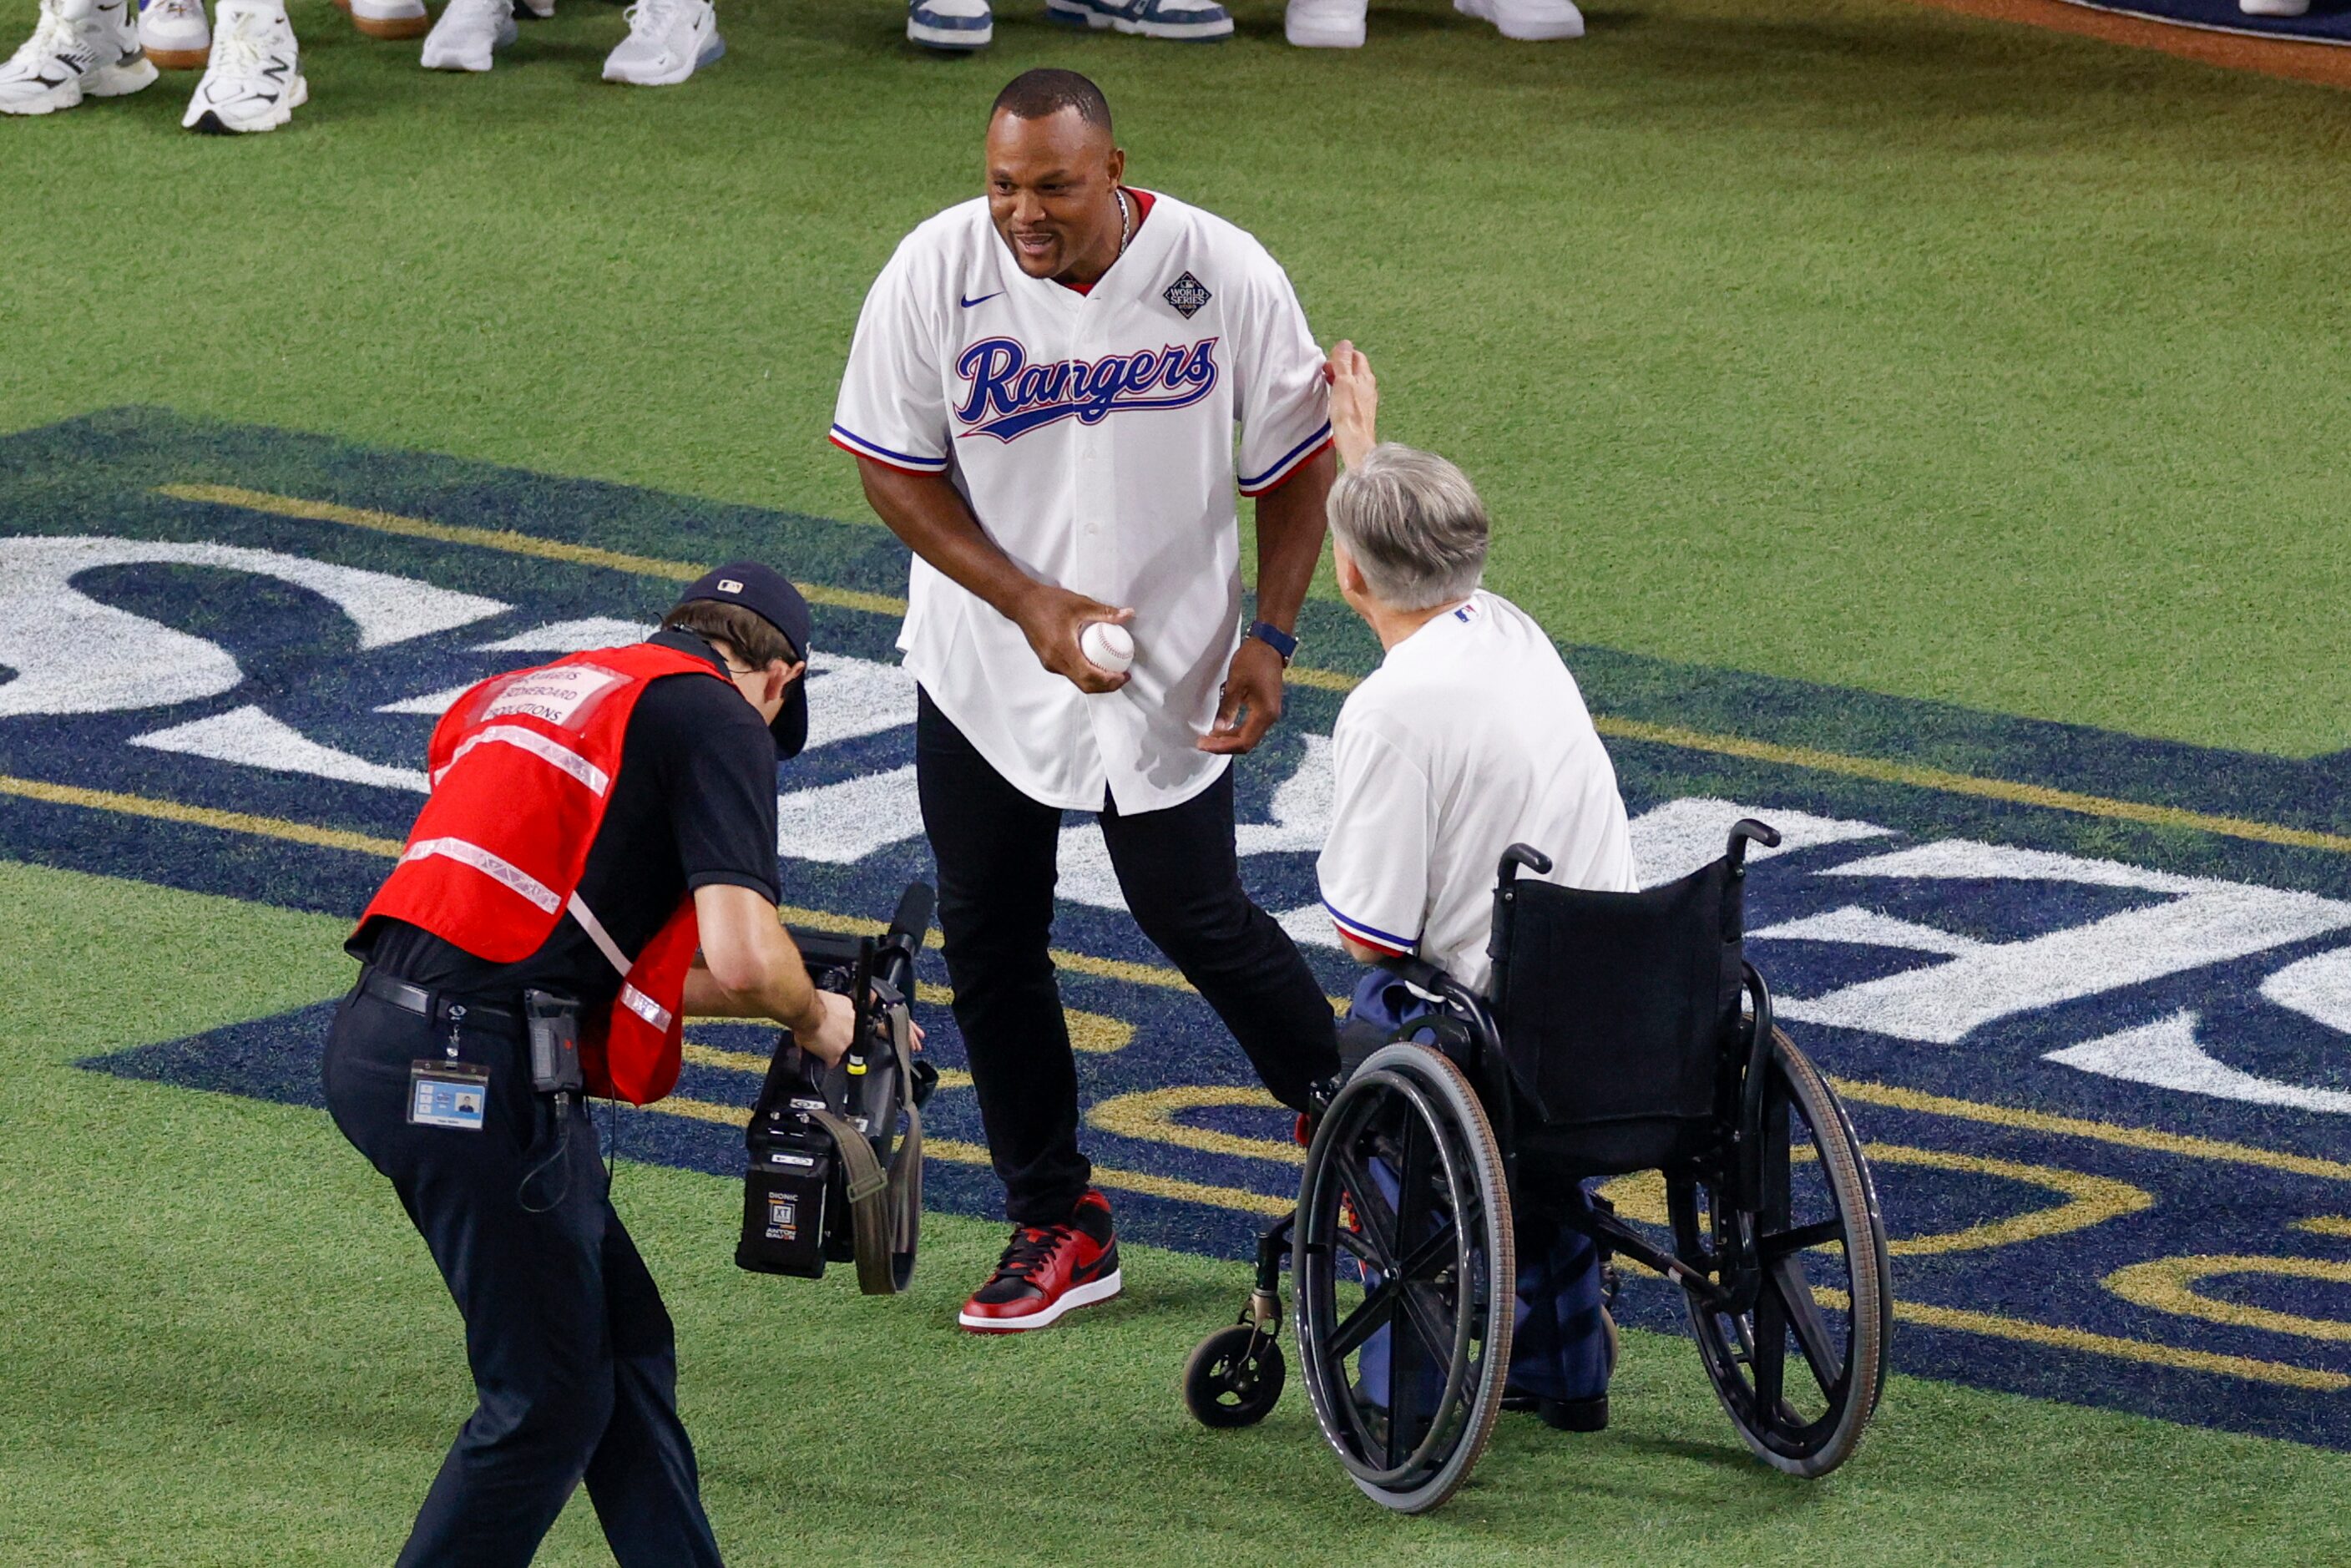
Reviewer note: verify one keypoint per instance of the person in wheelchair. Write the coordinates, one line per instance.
(1470, 737)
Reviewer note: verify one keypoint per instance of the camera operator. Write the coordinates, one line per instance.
(592, 823)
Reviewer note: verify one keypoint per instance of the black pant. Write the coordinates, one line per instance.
(574, 1363)
(1178, 868)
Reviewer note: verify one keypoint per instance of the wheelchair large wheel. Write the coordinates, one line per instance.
(1799, 1373)
(1405, 1278)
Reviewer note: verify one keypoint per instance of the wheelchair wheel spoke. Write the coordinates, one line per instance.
(1771, 1353)
(1773, 1247)
(1376, 1221)
(1429, 1315)
(1425, 1260)
(1375, 1311)
(1787, 1283)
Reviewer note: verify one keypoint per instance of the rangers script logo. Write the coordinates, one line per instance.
(1010, 397)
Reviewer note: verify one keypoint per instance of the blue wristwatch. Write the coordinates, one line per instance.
(1275, 638)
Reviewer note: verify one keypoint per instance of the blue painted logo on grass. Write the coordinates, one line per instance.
(2099, 1062)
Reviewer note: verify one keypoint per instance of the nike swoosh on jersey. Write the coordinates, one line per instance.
(983, 299)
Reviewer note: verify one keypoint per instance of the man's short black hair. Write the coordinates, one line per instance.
(1044, 92)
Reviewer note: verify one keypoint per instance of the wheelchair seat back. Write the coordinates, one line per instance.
(1615, 1011)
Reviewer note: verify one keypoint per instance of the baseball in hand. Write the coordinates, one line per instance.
(1107, 647)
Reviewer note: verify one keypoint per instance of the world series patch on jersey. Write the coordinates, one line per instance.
(1095, 437)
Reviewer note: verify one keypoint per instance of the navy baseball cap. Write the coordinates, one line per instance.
(768, 594)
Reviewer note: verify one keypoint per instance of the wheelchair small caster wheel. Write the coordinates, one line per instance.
(1233, 1377)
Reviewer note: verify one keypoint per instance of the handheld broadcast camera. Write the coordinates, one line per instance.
(833, 1175)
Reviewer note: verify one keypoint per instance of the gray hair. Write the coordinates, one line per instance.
(1415, 525)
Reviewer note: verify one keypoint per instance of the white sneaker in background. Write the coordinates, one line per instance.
(956, 26)
(254, 79)
(668, 41)
(1531, 21)
(542, 9)
(175, 34)
(468, 33)
(2274, 7)
(389, 18)
(1325, 23)
(79, 49)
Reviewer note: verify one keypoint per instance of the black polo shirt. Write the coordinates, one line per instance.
(694, 805)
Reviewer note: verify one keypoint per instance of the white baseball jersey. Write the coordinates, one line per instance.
(1093, 435)
(1470, 737)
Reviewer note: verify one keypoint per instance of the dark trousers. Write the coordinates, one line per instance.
(574, 1364)
(1178, 868)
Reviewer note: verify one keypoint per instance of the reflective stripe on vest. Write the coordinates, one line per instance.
(539, 746)
(504, 871)
(635, 1001)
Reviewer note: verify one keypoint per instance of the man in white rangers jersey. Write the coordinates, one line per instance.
(1042, 397)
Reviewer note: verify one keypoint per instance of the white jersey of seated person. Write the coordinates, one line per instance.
(1470, 737)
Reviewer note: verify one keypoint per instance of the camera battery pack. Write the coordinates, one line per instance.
(783, 1210)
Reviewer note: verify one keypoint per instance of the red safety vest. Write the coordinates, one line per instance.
(522, 768)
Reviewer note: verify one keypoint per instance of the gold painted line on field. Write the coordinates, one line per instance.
(1886, 771)
(1882, 770)
(200, 816)
(963, 1154)
(1897, 1098)
(505, 539)
(2055, 1337)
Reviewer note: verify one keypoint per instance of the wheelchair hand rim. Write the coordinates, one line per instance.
(1350, 1113)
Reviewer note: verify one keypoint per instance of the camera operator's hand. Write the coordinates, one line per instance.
(828, 1033)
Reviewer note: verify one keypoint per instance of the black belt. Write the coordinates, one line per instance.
(440, 1007)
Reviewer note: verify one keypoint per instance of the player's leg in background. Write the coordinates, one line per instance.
(995, 849)
(1181, 876)
(253, 79)
(79, 49)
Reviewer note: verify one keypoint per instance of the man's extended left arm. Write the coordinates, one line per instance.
(1290, 521)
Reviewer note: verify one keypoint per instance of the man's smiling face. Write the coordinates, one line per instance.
(1053, 186)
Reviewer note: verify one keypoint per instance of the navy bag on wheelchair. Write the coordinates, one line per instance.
(1625, 1033)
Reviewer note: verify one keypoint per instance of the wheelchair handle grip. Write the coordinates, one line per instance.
(1518, 855)
(1742, 831)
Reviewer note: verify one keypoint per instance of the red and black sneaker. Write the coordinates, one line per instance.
(1046, 1272)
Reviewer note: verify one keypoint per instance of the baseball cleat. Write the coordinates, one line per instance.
(1325, 23)
(956, 25)
(255, 80)
(1190, 21)
(175, 33)
(389, 18)
(79, 49)
(468, 33)
(539, 9)
(1529, 21)
(668, 41)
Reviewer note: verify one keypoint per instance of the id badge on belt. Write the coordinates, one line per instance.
(455, 1094)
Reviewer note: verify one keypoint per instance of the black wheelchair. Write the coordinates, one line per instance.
(1625, 1033)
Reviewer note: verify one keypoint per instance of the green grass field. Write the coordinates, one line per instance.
(1834, 339)
(226, 1347)
(1841, 339)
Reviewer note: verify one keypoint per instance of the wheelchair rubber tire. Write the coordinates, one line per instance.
(1233, 1377)
(1805, 1448)
(1428, 1087)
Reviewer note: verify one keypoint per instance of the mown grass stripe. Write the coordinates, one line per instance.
(1884, 770)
